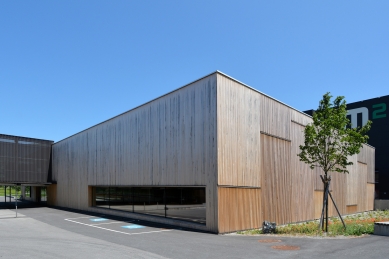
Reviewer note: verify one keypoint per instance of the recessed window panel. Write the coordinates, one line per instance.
(183, 203)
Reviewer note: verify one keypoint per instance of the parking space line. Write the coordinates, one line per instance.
(125, 233)
(83, 217)
(115, 222)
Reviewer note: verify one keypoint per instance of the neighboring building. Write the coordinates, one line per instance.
(214, 155)
(25, 162)
(376, 111)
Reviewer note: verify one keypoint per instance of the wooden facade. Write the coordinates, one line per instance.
(170, 141)
(238, 143)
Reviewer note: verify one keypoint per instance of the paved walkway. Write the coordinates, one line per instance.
(51, 233)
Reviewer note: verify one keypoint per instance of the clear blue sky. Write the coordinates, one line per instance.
(68, 65)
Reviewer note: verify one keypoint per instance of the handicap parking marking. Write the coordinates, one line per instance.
(112, 222)
(131, 228)
(94, 220)
(98, 219)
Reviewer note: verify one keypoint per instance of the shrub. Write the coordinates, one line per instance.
(356, 225)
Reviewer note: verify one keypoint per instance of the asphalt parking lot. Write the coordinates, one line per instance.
(52, 233)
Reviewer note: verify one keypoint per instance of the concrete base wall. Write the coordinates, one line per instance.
(381, 204)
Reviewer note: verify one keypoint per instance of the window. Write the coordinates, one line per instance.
(184, 203)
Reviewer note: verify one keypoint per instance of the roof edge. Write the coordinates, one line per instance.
(246, 85)
(201, 78)
(26, 137)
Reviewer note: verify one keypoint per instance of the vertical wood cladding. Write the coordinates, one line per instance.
(239, 209)
(284, 181)
(170, 141)
(370, 196)
(362, 155)
(367, 156)
(299, 118)
(370, 160)
(217, 133)
(24, 159)
(275, 118)
(362, 187)
(339, 191)
(302, 178)
(238, 112)
(276, 180)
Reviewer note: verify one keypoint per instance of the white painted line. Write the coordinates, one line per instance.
(115, 222)
(84, 217)
(119, 231)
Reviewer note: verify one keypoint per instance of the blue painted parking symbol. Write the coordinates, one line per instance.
(98, 220)
(133, 226)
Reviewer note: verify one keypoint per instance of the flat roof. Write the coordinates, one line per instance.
(13, 136)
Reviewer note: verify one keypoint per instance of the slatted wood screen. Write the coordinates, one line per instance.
(302, 178)
(318, 204)
(219, 133)
(171, 141)
(339, 191)
(370, 196)
(24, 159)
(370, 160)
(353, 182)
(362, 187)
(275, 118)
(239, 208)
(238, 127)
(276, 180)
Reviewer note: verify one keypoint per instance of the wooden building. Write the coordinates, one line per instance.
(231, 146)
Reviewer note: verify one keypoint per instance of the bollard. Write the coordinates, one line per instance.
(16, 205)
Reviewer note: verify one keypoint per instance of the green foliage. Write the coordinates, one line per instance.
(329, 140)
(358, 224)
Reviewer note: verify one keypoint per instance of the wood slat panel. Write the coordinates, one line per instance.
(24, 159)
(239, 209)
(318, 200)
(52, 194)
(302, 179)
(299, 118)
(351, 209)
(208, 134)
(275, 118)
(370, 196)
(238, 129)
(352, 182)
(362, 187)
(362, 155)
(370, 159)
(276, 180)
(170, 141)
(339, 192)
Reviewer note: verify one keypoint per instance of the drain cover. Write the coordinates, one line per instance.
(286, 247)
(269, 240)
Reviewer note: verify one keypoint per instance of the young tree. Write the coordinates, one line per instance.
(330, 140)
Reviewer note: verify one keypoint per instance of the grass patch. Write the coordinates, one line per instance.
(356, 225)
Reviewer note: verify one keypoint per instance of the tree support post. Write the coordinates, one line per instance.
(326, 181)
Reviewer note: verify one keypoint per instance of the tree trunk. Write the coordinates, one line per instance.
(326, 188)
